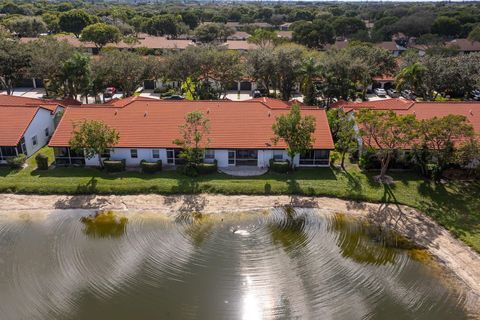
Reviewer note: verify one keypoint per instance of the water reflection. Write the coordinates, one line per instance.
(287, 264)
(104, 224)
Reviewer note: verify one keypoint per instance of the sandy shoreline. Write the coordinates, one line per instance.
(450, 252)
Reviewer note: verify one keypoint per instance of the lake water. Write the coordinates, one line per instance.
(277, 264)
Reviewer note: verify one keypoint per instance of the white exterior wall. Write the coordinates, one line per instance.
(143, 154)
(43, 119)
(221, 155)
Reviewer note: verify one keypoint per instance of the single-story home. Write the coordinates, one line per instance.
(391, 46)
(464, 46)
(240, 132)
(24, 130)
(421, 110)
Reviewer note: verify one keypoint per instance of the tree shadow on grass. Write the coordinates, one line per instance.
(86, 198)
(455, 206)
(391, 216)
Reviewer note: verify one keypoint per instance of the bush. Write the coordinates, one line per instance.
(368, 160)
(17, 162)
(114, 165)
(151, 167)
(279, 166)
(207, 168)
(189, 170)
(42, 161)
(334, 157)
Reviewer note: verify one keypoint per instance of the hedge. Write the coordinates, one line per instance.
(17, 162)
(114, 165)
(279, 166)
(206, 168)
(42, 161)
(151, 167)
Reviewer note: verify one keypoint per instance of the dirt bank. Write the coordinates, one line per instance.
(450, 252)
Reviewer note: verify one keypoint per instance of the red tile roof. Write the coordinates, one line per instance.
(421, 110)
(465, 45)
(14, 121)
(8, 100)
(149, 124)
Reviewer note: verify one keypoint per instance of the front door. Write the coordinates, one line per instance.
(246, 157)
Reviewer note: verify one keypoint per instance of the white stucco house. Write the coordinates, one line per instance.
(24, 130)
(240, 132)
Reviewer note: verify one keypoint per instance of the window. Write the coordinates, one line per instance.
(34, 140)
(315, 158)
(105, 153)
(47, 132)
(209, 154)
(231, 157)
(133, 153)
(155, 153)
(278, 155)
(170, 156)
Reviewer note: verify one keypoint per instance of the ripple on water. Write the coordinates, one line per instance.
(285, 264)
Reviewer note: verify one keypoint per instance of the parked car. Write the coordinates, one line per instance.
(109, 92)
(408, 94)
(257, 94)
(174, 97)
(393, 93)
(380, 92)
(476, 95)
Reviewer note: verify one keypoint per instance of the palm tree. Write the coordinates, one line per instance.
(412, 77)
(310, 70)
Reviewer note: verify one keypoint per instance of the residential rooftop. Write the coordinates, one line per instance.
(155, 124)
(14, 122)
(421, 110)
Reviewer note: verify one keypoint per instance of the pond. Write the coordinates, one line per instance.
(276, 264)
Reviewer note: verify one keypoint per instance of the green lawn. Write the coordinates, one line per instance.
(456, 205)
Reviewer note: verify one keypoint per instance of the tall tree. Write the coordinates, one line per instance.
(27, 26)
(296, 131)
(440, 136)
(263, 38)
(15, 61)
(164, 25)
(311, 71)
(101, 34)
(125, 70)
(288, 61)
(50, 55)
(75, 20)
(315, 34)
(474, 35)
(75, 77)
(261, 67)
(193, 140)
(213, 32)
(385, 132)
(412, 77)
(93, 138)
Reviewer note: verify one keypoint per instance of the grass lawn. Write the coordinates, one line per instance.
(456, 205)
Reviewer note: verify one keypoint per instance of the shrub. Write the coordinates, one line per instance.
(368, 160)
(17, 162)
(280, 166)
(189, 170)
(151, 167)
(207, 168)
(334, 157)
(42, 161)
(114, 165)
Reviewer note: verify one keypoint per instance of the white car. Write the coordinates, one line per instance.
(380, 92)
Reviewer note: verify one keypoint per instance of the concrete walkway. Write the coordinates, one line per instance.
(244, 171)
